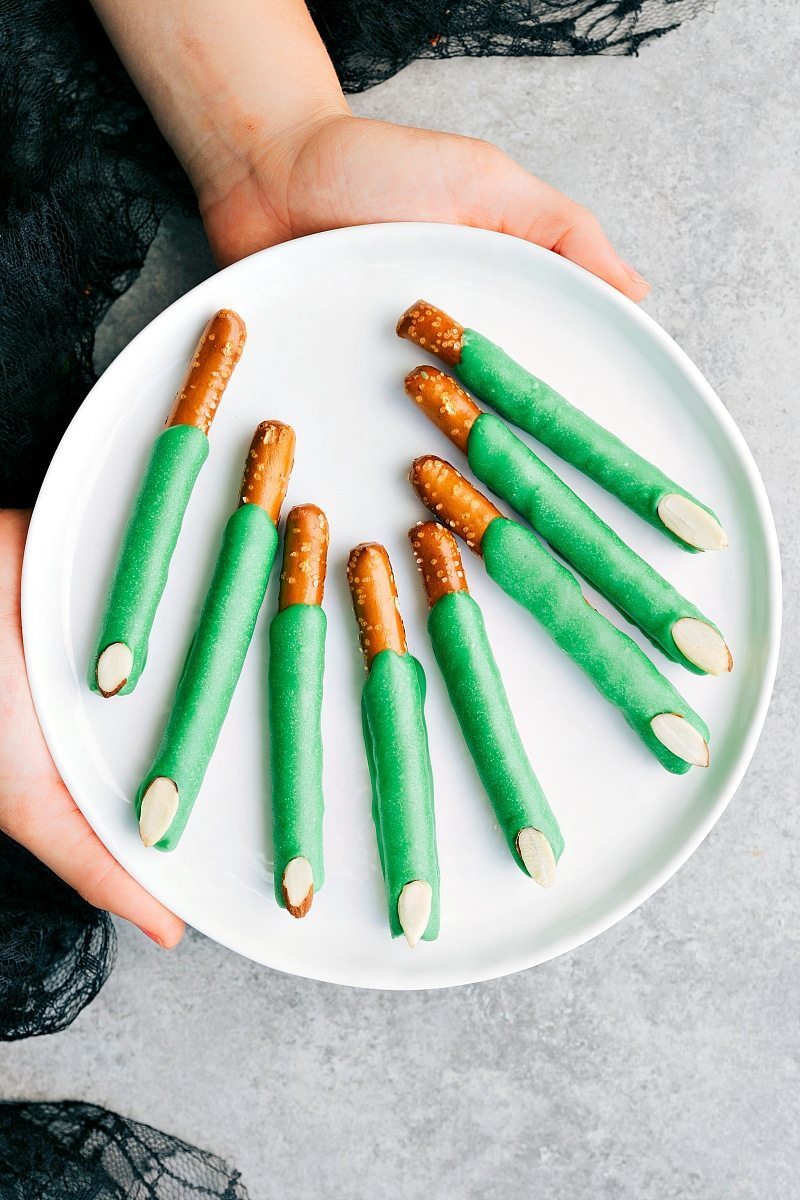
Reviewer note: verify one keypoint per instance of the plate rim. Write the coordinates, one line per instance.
(745, 460)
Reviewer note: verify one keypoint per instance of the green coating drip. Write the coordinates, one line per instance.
(540, 410)
(616, 666)
(396, 741)
(513, 472)
(214, 661)
(296, 668)
(476, 691)
(150, 537)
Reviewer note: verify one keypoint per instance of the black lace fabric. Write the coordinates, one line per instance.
(56, 951)
(81, 1152)
(370, 41)
(85, 179)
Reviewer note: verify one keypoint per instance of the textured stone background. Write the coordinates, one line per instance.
(660, 1061)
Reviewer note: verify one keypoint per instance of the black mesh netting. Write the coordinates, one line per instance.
(81, 1152)
(85, 179)
(55, 954)
(56, 951)
(370, 40)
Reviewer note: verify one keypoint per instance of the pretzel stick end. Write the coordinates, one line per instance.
(438, 559)
(305, 556)
(432, 330)
(452, 499)
(268, 466)
(374, 594)
(444, 403)
(217, 353)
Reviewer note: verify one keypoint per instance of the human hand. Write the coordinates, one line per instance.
(35, 807)
(254, 111)
(343, 170)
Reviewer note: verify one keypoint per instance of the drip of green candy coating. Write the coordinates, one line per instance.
(513, 472)
(396, 741)
(540, 410)
(214, 662)
(151, 534)
(296, 669)
(619, 670)
(475, 687)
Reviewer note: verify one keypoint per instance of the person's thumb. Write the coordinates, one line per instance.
(56, 832)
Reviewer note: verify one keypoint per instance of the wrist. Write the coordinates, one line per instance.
(227, 90)
(245, 144)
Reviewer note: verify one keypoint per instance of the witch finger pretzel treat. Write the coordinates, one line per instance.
(526, 571)
(296, 668)
(396, 742)
(178, 453)
(534, 406)
(506, 465)
(217, 651)
(461, 646)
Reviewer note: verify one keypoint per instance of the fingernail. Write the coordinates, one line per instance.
(153, 936)
(634, 275)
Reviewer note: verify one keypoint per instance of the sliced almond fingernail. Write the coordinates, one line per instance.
(114, 668)
(414, 909)
(298, 886)
(159, 806)
(537, 855)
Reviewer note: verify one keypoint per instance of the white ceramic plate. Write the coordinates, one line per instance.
(322, 354)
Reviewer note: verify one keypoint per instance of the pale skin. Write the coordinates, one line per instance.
(248, 99)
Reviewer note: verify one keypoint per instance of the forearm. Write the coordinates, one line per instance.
(229, 88)
(248, 98)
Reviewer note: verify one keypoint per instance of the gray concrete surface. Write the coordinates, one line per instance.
(661, 1060)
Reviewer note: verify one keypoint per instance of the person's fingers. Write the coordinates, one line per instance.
(56, 832)
(515, 202)
(36, 809)
(584, 242)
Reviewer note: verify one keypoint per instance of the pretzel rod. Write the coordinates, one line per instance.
(296, 669)
(140, 573)
(374, 595)
(514, 473)
(218, 648)
(218, 351)
(621, 672)
(475, 686)
(267, 468)
(537, 408)
(305, 556)
(438, 560)
(452, 499)
(396, 743)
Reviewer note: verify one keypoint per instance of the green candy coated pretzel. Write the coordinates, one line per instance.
(461, 646)
(540, 410)
(620, 671)
(296, 668)
(150, 537)
(513, 472)
(214, 661)
(396, 741)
